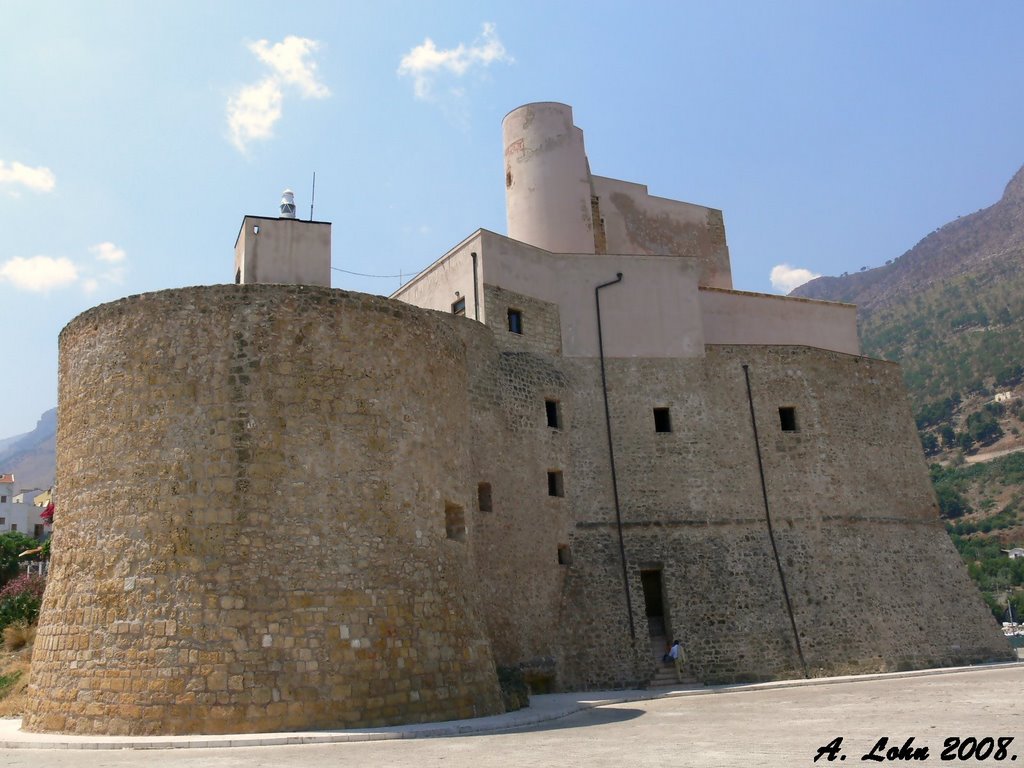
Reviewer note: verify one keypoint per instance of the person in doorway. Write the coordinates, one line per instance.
(676, 654)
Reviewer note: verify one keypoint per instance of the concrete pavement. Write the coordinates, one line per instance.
(560, 713)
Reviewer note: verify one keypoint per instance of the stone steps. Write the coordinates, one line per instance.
(665, 674)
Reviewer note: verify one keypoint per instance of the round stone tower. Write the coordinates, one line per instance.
(261, 522)
(547, 179)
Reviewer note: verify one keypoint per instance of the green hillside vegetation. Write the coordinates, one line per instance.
(961, 336)
(984, 509)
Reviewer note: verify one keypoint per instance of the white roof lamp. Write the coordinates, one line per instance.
(287, 204)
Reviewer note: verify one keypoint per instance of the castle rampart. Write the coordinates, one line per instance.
(263, 515)
(291, 507)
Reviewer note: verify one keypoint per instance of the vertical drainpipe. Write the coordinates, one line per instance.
(611, 457)
(476, 290)
(768, 520)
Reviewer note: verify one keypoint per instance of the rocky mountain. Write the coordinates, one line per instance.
(951, 309)
(32, 456)
(984, 243)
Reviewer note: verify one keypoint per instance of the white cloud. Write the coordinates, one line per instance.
(426, 61)
(111, 255)
(786, 278)
(39, 273)
(37, 179)
(108, 252)
(289, 60)
(253, 110)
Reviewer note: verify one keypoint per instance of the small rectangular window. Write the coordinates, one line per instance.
(555, 487)
(459, 307)
(38, 532)
(3, 521)
(554, 414)
(454, 522)
(515, 321)
(14, 526)
(787, 419)
(483, 494)
(564, 555)
(3, 499)
(662, 420)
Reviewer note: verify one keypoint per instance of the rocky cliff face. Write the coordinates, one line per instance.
(31, 457)
(987, 242)
(951, 309)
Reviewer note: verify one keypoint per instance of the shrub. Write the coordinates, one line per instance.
(7, 682)
(18, 635)
(12, 544)
(20, 600)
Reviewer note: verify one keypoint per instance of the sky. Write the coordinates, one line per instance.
(134, 136)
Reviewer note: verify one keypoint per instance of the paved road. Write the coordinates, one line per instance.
(777, 727)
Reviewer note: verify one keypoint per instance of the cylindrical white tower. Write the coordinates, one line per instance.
(547, 179)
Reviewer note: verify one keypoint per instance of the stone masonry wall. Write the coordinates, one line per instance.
(873, 581)
(264, 493)
(514, 545)
(291, 507)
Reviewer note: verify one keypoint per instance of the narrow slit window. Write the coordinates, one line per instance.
(483, 495)
(662, 420)
(459, 307)
(564, 555)
(787, 419)
(454, 522)
(554, 414)
(555, 486)
(515, 321)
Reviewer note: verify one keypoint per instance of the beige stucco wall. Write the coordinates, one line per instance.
(737, 317)
(656, 311)
(636, 222)
(435, 287)
(653, 312)
(547, 179)
(284, 251)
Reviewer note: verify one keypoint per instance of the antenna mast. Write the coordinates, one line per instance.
(312, 197)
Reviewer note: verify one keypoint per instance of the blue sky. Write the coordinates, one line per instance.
(135, 135)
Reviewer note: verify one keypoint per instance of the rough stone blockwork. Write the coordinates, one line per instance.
(261, 492)
(873, 581)
(288, 507)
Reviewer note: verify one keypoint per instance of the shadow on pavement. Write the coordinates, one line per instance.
(583, 719)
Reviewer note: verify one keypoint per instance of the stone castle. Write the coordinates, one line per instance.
(290, 507)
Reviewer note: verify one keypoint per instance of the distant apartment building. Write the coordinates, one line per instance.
(16, 514)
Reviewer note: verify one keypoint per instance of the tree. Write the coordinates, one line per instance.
(965, 441)
(983, 428)
(948, 435)
(12, 544)
(951, 502)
